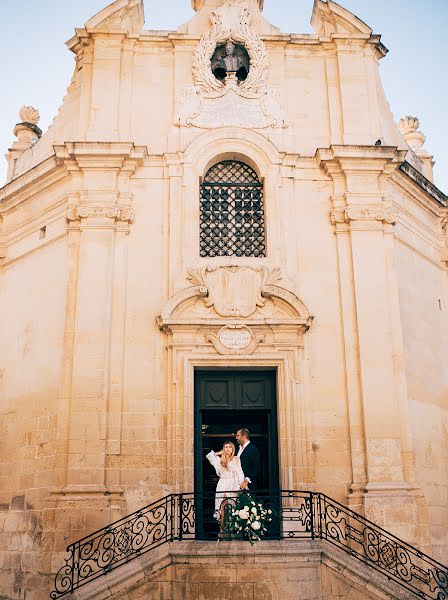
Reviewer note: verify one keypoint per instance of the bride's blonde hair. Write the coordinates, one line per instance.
(224, 458)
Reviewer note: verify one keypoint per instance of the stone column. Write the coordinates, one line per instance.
(363, 220)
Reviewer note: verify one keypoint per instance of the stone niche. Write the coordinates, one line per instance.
(231, 96)
(236, 316)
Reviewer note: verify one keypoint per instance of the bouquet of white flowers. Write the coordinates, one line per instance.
(249, 518)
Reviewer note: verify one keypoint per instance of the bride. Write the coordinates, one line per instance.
(228, 468)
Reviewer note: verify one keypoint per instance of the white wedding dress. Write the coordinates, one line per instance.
(229, 480)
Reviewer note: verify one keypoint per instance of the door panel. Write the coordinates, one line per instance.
(217, 392)
(254, 391)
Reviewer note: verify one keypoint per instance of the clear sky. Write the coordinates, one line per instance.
(36, 66)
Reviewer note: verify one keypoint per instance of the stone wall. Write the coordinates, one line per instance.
(103, 326)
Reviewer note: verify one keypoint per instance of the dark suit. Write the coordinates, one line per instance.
(250, 463)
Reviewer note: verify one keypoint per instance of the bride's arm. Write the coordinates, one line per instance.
(215, 461)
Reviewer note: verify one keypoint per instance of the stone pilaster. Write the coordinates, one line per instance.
(99, 215)
(363, 220)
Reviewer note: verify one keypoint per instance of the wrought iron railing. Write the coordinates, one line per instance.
(298, 515)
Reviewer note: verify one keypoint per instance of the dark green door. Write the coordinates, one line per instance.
(225, 401)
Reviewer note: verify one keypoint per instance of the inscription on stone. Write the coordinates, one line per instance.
(235, 339)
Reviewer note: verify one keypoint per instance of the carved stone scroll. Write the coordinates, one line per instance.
(91, 215)
(346, 215)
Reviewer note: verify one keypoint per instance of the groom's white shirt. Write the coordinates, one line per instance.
(240, 451)
(242, 448)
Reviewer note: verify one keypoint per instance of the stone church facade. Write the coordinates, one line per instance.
(199, 209)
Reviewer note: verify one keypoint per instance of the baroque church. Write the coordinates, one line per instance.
(223, 228)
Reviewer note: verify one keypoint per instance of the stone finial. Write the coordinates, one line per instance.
(27, 133)
(408, 127)
(27, 130)
(28, 114)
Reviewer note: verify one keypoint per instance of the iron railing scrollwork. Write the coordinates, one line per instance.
(298, 515)
(117, 544)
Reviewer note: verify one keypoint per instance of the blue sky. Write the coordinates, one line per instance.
(36, 66)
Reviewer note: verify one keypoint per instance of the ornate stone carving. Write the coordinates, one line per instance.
(115, 213)
(408, 127)
(28, 114)
(218, 103)
(234, 291)
(346, 215)
(234, 295)
(235, 339)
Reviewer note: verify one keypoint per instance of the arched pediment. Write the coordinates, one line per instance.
(235, 294)
(121, 15)
(329, 17)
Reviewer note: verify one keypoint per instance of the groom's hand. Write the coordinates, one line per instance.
(244, 485)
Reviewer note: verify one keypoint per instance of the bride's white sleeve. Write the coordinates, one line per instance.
(241, 475)
(215, 461)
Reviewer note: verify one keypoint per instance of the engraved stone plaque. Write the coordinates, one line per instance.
(235, 338)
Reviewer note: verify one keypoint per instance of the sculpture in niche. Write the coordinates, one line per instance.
(219, 98)
(230, 59)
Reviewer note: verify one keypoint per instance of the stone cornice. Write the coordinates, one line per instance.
(379, 159)
(424, 184)
(30, 183)
(104, 156)
(82, 41)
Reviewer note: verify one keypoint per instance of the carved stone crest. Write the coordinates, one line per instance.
(213, 102)
(234, 291)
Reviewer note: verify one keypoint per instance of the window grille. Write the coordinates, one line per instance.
(232, 211)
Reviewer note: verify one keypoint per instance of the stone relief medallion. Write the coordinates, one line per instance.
(235, 337)
(213, 102)
(234, 291)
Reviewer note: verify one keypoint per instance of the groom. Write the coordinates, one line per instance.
(250, 460)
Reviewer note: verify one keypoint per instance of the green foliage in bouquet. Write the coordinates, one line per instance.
(249, 518)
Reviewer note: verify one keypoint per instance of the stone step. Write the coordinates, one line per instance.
(280, 570)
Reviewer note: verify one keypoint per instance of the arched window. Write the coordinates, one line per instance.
(232, 211)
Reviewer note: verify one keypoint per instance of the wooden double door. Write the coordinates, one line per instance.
(225, 401)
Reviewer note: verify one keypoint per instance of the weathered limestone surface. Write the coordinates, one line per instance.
(270, 571)
(103, 325)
